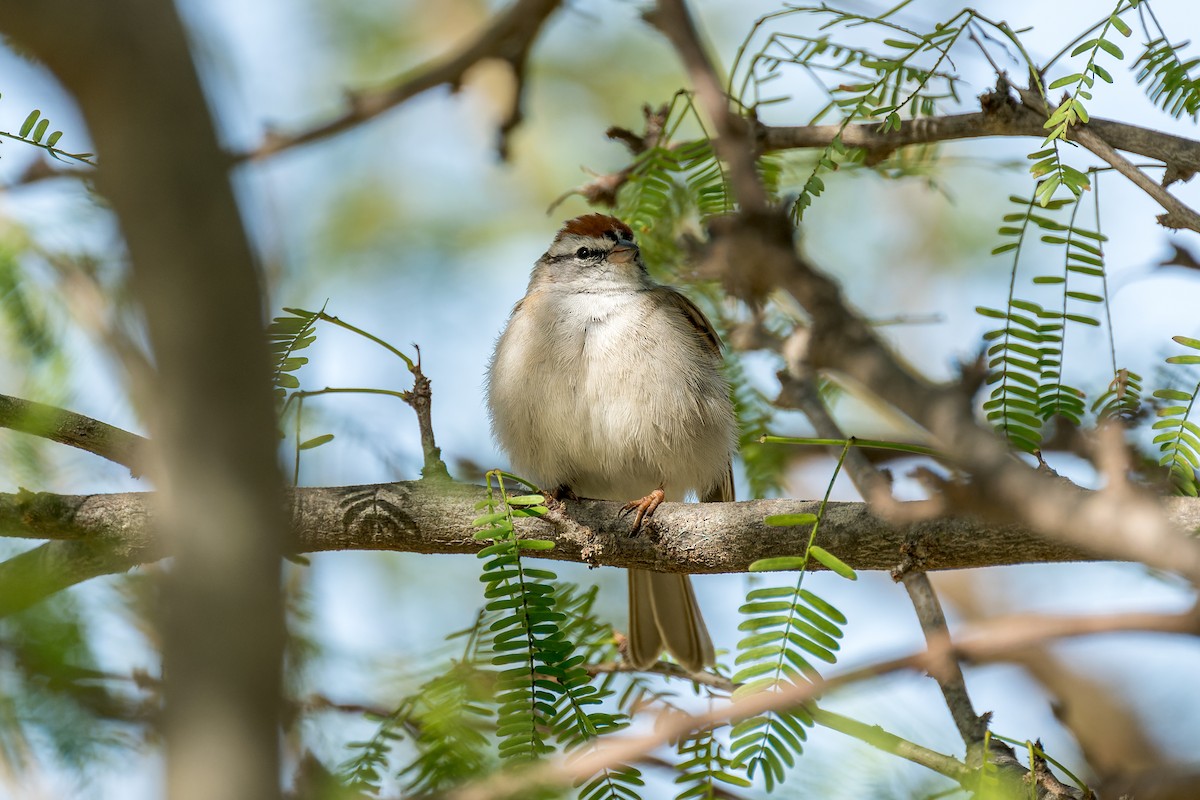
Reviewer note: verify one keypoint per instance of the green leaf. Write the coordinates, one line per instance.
(1083, 47)
(535, 544)
(832, 562)
(1187, 342)
(29, 122)
(1065, 81)
(788, 520)
(316, 441)
(779, 564)
(1111, 49)
(526, 500)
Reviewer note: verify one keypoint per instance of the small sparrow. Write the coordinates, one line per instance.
(607, 385)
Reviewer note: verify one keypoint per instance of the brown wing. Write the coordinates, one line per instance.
(723, 492)
(676, 300)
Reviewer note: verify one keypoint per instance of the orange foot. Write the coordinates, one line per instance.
(644, 507)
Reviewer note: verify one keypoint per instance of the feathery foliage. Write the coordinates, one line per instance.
(543, 688)
(867, 85)
(1179, 442)
(1025, 359)
(1168, 79)
(786, 626)
(286, 335)
(446, 719)
(528, 643)
(704, 767)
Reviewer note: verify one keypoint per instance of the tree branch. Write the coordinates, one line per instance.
(1000, 117)
(971, 726)
(891, 743)
(435, 517)
(508, 38)
(76, 430)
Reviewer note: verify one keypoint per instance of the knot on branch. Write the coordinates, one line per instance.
(750, 252)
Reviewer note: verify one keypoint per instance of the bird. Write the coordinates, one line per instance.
(605, 384)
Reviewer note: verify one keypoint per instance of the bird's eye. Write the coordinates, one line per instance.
(584, 252)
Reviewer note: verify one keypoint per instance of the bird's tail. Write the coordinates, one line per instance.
(663, 614)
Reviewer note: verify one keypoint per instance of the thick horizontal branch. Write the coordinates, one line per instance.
(107, 533)
(436, 517)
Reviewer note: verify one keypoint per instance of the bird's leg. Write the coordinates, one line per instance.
(644, 507)
(556, 496)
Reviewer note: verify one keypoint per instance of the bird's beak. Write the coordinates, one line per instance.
(623, 253)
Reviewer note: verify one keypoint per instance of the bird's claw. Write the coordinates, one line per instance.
(644, 507)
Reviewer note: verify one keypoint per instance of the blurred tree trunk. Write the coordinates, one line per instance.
(208, 404)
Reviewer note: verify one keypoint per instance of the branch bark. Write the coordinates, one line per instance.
(1001, 119)
(115, 532)
(76, 430)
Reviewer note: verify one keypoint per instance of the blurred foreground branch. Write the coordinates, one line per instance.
(995, 640)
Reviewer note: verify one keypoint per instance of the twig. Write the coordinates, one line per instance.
(1179, 215)
(890, 743)
(508, 38)
(421, 400)
(76, 430)
(667, 670)
(42, 170)
(971, 726)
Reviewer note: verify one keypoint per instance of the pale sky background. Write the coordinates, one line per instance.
(411, 229)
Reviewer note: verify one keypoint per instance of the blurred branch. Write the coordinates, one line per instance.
(42, 170)
(971, 726)
(76, 430)
(210, 409)
(988, 642)
(508, 38)
(871, 734)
